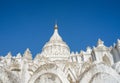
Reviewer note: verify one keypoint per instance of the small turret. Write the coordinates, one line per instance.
(100, 43)
(9, 55)
(18, 56)
(118, 43)
(27, 54)
(89, 50)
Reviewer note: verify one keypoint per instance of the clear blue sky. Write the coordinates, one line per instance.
(29, 23)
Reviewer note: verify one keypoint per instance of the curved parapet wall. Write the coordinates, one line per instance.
(98, 73)
(49, 72)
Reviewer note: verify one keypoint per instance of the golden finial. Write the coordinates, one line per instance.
(56, 26)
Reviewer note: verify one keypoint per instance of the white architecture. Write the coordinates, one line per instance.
(56, 64)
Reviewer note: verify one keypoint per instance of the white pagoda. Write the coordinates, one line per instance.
(57, 64)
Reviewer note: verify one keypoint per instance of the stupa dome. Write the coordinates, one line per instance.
(56, 47)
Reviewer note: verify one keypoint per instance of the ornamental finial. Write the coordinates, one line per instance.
(56, 26)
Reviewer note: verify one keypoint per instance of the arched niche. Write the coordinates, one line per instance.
(48, 78)
(106, 60)
(95, 71)
(50, 72)
(103, 78)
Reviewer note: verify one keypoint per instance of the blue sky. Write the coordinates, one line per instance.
(29, 23)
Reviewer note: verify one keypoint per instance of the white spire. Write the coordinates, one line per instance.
(118, 40)
(89, 49)
(27, 54)
(9, 55)
(19, 55)
(100, 42)
(118, 43)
